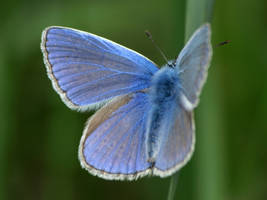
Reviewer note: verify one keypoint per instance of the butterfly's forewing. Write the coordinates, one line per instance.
(193, 62)
(86, 69)
(177, 145)
(112, 146)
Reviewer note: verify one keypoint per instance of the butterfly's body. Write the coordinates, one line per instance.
(145, 122)
(163, 97)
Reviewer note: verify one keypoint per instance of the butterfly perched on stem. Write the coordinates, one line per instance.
(145, 122)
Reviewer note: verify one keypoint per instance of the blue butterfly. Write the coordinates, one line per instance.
(145, 122)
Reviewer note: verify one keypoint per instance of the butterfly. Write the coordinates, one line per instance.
(144, 124)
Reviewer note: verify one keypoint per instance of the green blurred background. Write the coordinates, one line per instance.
(39, 135)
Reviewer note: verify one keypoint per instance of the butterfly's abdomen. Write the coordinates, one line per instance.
(163, 97)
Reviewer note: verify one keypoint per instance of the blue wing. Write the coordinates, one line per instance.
(178, 144)
(193, 63)
(87, 70)
(112, 145)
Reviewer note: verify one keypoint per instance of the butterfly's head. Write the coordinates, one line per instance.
(171, 63)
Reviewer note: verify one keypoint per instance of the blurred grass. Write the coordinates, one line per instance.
(39, 135)
(3, 127)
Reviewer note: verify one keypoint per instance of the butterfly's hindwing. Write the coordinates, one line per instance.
(113, 145)
(178, 144)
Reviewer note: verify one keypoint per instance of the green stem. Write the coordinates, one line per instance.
(173, 184)
(197, 13)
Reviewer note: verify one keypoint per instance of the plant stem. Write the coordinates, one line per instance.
(197, 13)
(173, 184)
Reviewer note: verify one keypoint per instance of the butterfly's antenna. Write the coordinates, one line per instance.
(148, 34)
(223, 43)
